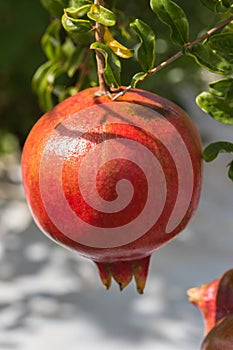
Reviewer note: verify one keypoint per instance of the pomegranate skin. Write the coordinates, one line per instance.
(72, 209)
(221, 336)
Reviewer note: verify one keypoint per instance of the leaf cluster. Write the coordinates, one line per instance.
(77, 19)
(69, 44)
(212, 151)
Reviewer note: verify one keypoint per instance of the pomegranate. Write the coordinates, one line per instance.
(215, 299)
(221, 336)
(113, 180)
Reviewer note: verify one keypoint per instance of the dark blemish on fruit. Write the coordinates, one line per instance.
(58, 125)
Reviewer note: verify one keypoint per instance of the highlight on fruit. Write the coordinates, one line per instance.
(113, 180)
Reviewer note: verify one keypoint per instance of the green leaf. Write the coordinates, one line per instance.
(212, 151)
(227, 3)
(223, 6)
(112, 68)
(102, 15)
(51, 40)
(55, 7)
(223, 45)
(207, 58)
(43, 80)
(46, 99)
(137, 77)
(76, 27)
(68, 48)
(39, 75)
(222, 88)
(60, 92)
(78, 3)
(172, 15)
(146, 52)
(230, 171)
(75, 60)
(217, 5)
(210, 4)
(218, 108)
(218, 103)
(77, 12)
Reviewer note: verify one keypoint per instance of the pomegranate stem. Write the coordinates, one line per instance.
(99, 37)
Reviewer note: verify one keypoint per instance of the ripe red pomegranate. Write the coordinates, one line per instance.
(214, 299)
(113, 180)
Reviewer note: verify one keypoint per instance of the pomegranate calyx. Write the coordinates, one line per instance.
(214, 300)
(204, 297)
(105, 274)
(123, 272)
(140, 271)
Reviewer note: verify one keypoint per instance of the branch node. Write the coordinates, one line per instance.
(121, 93)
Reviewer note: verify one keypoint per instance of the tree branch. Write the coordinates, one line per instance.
(180, 53)
(99, 37)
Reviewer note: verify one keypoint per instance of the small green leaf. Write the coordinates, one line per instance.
(79, 3)
(226, 3)
(112, 68)
(217, 5)
(51, 40)
(210, 4)
(222, 88)
(39, 75)
(43, 80)
(102, 15)
(218, 108)
(55, 7)
(146, 52)
(223, 6)
(212, 151)
(75, 60)
(172, 15)
(52, 73)
(207, 58)
(77, 12)
(223, 44)
(46, 99)
(218, 103)
(68, 48)
(137, 77)
(76, 27)
(230, 171)
(62, 92)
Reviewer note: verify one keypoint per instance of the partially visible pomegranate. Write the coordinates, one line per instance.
(221, 336)
(113, 180)
(215, 300)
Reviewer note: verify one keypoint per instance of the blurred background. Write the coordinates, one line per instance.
(51, 297)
